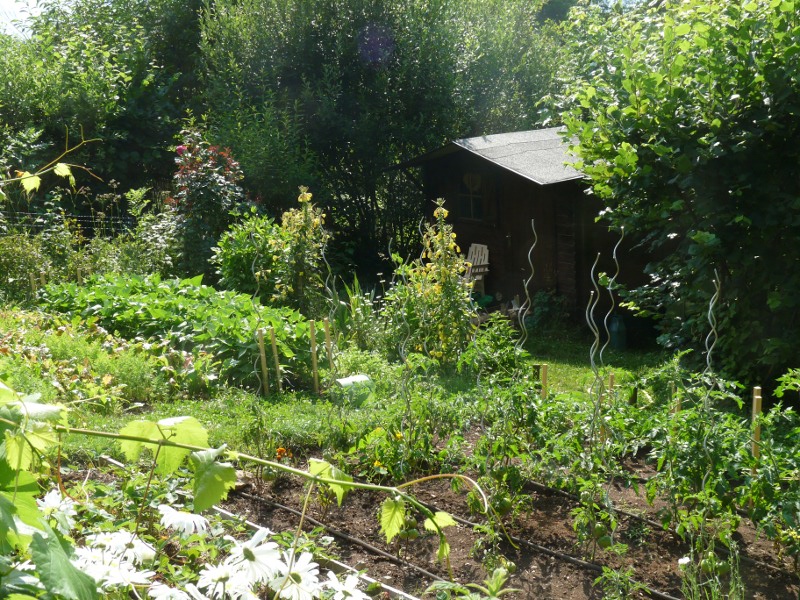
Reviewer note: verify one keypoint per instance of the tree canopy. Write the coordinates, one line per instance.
(686, 123)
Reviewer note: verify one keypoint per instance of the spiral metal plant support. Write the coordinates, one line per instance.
(594, 298)
(711, 338)
(610, 289)
(526, 306)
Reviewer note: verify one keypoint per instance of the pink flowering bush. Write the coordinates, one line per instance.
(206, 197)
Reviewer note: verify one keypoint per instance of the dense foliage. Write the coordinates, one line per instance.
(686, 124)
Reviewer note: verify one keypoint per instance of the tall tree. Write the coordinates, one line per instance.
(687, 124)
(343, 90)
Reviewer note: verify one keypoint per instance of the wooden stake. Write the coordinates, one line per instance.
(34, 287)
(313, 334)
(263, 355)
(543, 378)
(328, 343)
(42, 278)
(611, 384)
(756, 424)
(676, 408)
(80, 276)
(277, 360)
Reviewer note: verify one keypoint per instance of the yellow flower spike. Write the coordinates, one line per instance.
(305, 195)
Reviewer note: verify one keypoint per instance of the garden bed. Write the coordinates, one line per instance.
(549, 563)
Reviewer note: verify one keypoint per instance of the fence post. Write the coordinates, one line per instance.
(277, 360)
(313, 334)
(263, 356)
(756, 425)
(543, 379)
(328, 343)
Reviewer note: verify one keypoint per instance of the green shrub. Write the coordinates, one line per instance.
(21, 255)
(494, 349)
(281, 264)
(200, 330)
(207, 193)
(245, 252)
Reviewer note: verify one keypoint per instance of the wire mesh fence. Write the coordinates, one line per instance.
(90, 225)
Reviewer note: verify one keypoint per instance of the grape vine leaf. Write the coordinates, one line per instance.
(444, 549)
(440, 520)
(393, 511)
(57, 573)
(321, 468)
(7, 394)
(212, 480)
(182, 430)
(63, 170)
(29, 181)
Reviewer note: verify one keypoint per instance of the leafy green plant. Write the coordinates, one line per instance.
(619, 584)
(429, 310)
(494, 351)
(197, 324)
(281, 264)
(493, 588)
(207, 191)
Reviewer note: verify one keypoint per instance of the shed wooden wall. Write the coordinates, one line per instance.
(564, 217)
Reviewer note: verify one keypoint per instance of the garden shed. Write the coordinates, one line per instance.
(495, 185)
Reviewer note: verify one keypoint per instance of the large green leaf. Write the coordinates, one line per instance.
(56, 572)
(393, 511)
(212, 480)
(18, 492)
(30, 182)
(182, 430)
(7, 394)
(324, 469)
(440, 520)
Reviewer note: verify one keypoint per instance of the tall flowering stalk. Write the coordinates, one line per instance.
(430, 310)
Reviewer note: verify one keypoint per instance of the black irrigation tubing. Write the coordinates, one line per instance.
(344, 536)
(561, 556)
(366, 545)
(746, 559)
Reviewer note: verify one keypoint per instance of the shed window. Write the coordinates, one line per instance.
(470, 197)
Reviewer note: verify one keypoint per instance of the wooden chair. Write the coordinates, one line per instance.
(478, 258)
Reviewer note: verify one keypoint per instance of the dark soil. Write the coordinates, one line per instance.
(549, 563)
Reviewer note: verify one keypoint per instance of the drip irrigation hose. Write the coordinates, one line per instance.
(340, 534)
(546, 489)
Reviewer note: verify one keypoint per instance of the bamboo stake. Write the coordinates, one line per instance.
(275, 356)
(543, 378)
(263, 355)
(328, 343)
(313, 334)
(676, 408)
(756, 425)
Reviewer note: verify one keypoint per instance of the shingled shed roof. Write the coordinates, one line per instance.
(539, 155)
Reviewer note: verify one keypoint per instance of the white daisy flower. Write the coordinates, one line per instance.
(185, 523)
(126, 576)
(60, 508)
(161, 591)
(299, 579)
(124, 545)
(260, 561)
(96, 562)
(682, 562)
(346, 590)
(217, 580)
